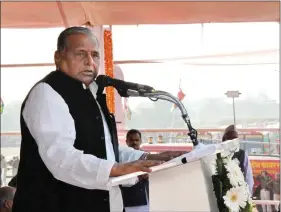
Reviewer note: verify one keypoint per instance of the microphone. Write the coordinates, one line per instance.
(124, 88)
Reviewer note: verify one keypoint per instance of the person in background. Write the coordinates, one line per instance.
(275, 184)
(135, 198)
(276, 189)
(15, 165)
(244, 162)
(265, 179)
(3, 170)
(6, 198)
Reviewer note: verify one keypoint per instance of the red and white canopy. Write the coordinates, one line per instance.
(59, 13)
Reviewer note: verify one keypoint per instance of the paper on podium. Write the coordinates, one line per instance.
(194, 155)
(199, 152)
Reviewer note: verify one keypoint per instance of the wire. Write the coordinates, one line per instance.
(153, 99)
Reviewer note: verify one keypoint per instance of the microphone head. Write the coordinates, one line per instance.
(102, 80)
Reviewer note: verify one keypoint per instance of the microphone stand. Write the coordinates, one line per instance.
(156, 95)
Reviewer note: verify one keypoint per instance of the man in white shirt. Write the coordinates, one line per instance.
(136, 197)
(69, 146)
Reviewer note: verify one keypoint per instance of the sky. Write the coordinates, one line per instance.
(158, 42)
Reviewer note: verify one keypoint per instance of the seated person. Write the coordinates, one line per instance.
(135, 198)
(6, 198)
(245, 165)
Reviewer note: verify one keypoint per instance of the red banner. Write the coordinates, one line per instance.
(267, 182)
(270, 166)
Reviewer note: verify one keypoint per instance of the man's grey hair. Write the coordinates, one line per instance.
(62, 39)
(6, 193)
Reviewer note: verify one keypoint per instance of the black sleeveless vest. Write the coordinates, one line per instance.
(240, 155)
(37, 189)
(136, 195)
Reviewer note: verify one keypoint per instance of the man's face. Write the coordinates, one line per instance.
(80, 60)
(263, 174)
(134, 141)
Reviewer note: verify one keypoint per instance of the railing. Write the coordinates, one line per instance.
(267, 144)
(267, 205)
(268, 138)
(253, 148)
(266, 202)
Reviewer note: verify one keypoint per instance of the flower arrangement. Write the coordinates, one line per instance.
(231, 190)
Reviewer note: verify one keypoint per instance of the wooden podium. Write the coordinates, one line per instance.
(183, 184)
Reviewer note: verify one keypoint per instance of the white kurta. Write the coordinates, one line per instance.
(48, 119)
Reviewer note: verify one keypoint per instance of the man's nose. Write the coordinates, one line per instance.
(89, 60)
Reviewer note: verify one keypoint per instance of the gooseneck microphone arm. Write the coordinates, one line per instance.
(154, 96)
(127, 89)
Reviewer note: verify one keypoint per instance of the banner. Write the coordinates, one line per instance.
(266, 174)
(270, 166)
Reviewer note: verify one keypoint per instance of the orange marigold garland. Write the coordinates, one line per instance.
(108, 60)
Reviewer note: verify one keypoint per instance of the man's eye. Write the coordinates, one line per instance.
(80, 54)
(95, 55)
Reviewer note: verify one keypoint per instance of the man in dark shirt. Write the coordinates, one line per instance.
(265, 180)
(136, 197)
(276, 188)
(245, 165)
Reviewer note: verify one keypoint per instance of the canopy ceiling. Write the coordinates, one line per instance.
(58, 14)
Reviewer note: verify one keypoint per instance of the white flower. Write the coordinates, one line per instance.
(227, 153)
(235, 198)
(214, 167)
(247, 191)
(234, 174)
(226, 160)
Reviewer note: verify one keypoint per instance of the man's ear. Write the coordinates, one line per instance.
(57, 58)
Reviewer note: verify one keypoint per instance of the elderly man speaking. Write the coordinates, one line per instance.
(69, 145)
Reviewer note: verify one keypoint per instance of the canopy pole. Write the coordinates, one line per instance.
(62, 13)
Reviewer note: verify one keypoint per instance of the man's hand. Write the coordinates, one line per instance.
(165, 156)
(120, 169)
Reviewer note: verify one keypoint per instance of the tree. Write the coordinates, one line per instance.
(10, 118)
